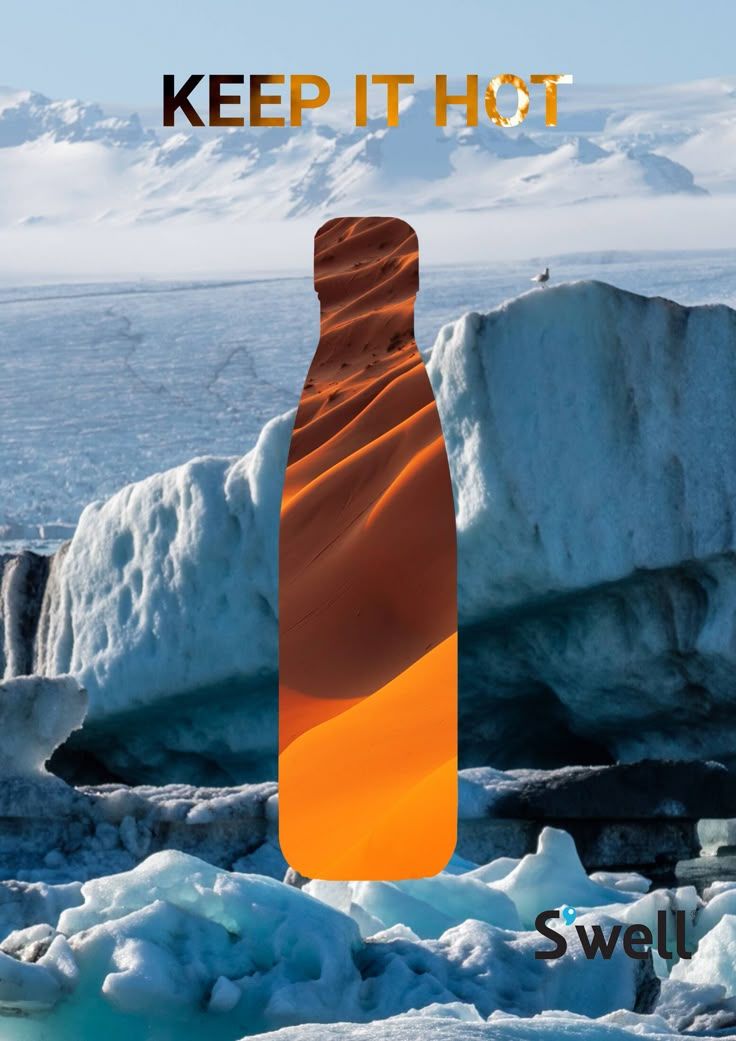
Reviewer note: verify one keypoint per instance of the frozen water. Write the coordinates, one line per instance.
(175, 947)
(179, 948)
(53, 833)
(181, 564)
(24, 904)
(714, 962)
(178, 945)
(164, 372)
(185, 563)
(500, 1027)
(37, 715)
(553, 877)
(160, 374)
(639, 411)
(428, 907)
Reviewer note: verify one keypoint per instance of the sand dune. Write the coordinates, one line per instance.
(379, 801)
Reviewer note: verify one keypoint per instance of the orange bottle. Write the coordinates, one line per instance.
(367, 581)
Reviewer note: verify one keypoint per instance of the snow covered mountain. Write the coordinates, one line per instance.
(26, 116)
(64, 161)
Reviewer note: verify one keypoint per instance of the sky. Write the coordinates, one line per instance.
(117, 52)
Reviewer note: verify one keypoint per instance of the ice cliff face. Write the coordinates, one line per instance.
(181, 569)
(591, 436)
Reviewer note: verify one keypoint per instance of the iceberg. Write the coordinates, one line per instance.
(595, 612)
(188, 560)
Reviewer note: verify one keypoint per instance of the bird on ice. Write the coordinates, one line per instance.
(543, 277)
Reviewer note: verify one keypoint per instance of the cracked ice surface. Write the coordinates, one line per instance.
(104, 384)
(126, 381)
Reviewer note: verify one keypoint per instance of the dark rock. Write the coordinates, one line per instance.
(648, 986)
(295, 878)
(23, 578)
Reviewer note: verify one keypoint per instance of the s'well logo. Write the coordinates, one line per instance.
(636, 939)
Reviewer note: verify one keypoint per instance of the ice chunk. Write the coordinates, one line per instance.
(696, 1008)
(625, 881)
(553, 877)
(721, 905)
(428, 906)
(36, 716)
(22, 581)
(219, 954)
(176, 934)
(26, 987)
(225, 995)
(23, 904)
(714, 962)
(60, 833)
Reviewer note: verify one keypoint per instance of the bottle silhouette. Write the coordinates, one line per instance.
(367, 581)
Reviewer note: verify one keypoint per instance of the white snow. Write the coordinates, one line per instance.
(164, 606)
(171, 370)
(87, 193)
(129, 175)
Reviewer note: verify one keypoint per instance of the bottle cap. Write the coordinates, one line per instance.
(354, 257)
